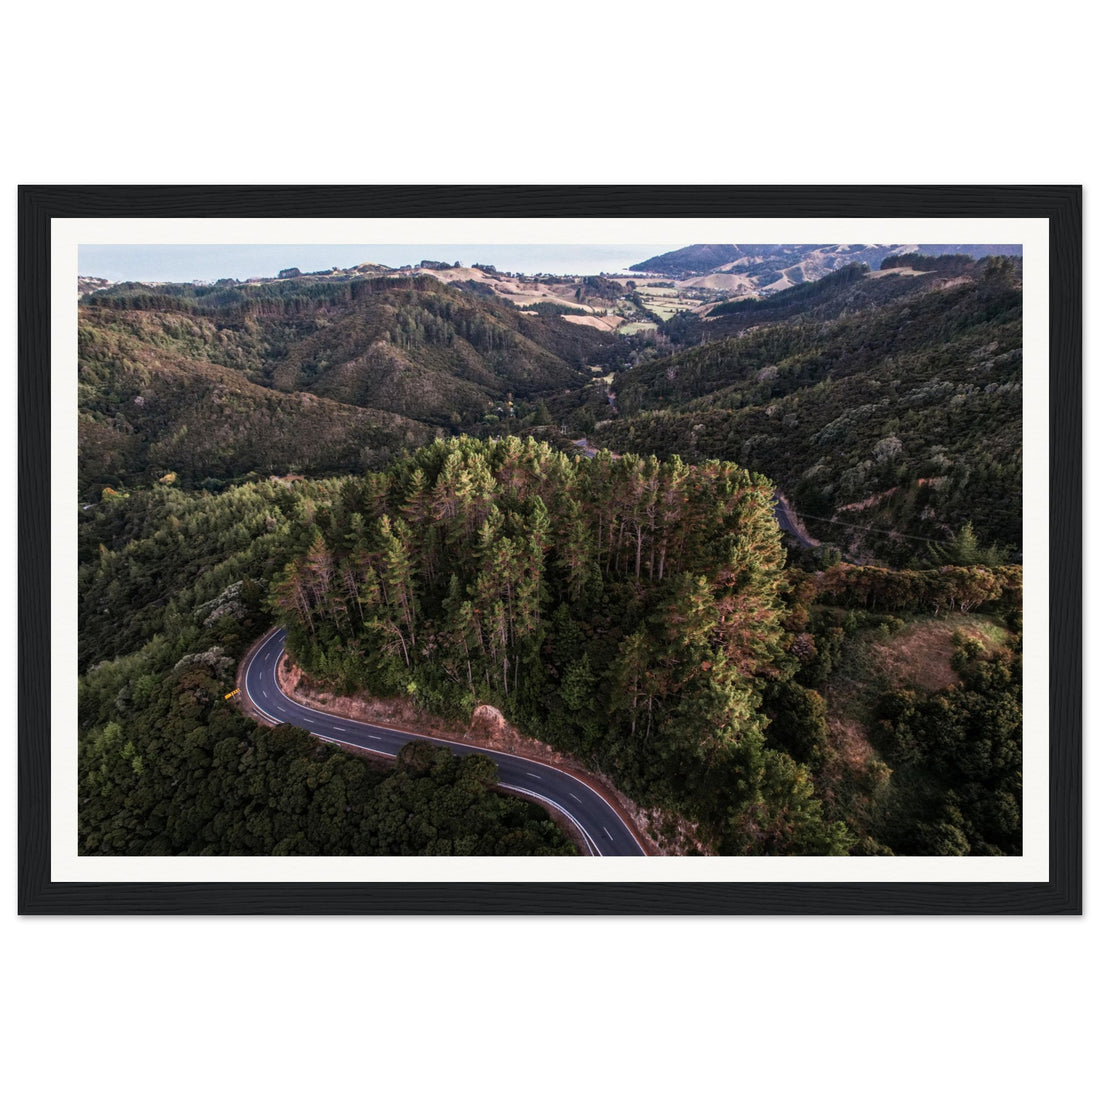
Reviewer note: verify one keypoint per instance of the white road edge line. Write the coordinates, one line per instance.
(353, 745)
(593, 850)
(280, 636)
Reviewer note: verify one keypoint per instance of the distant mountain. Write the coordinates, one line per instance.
(774, 267)
(696, 259)
(761, 261)
(852, 287)
(89, 284)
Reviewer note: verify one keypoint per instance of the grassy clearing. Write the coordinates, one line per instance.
(667, 307)
(661, 310)
(920, 655)
(872, 661)
(916, 657)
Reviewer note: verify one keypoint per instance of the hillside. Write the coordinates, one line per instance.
(148, 412)
(637, 615)
(769, 268)
(763, 264)
(895, 418)
(624, 611)
(298, 374)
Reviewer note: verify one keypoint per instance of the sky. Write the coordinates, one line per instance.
(209, 262)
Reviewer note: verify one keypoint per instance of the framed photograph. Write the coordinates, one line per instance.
(550, 550)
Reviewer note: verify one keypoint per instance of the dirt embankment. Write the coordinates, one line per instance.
(658, 832)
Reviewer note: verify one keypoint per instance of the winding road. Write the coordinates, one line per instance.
(788, 521)
(604, 831)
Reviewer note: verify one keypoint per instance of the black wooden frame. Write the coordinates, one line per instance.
(1062, 894)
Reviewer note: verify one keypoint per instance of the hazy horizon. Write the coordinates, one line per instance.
(185, 263)
(209, 262)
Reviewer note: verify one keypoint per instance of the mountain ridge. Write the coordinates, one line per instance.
(793, 261)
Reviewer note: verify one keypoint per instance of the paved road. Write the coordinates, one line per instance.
(788, 521)
(604, 831)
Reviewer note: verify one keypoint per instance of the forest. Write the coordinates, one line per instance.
(212, 384)
(902, 416)
(385, 468)
(168, 767)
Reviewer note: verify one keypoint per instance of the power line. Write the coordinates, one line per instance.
(876, 530)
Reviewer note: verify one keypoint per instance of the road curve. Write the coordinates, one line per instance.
(788, 521)
(604, 831)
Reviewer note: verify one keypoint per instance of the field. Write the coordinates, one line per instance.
(609, 322)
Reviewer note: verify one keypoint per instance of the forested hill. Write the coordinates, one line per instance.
(637, 614)
(172, 589)
(216, 381)
(628, 611)
(634, 613)
(893, 419)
